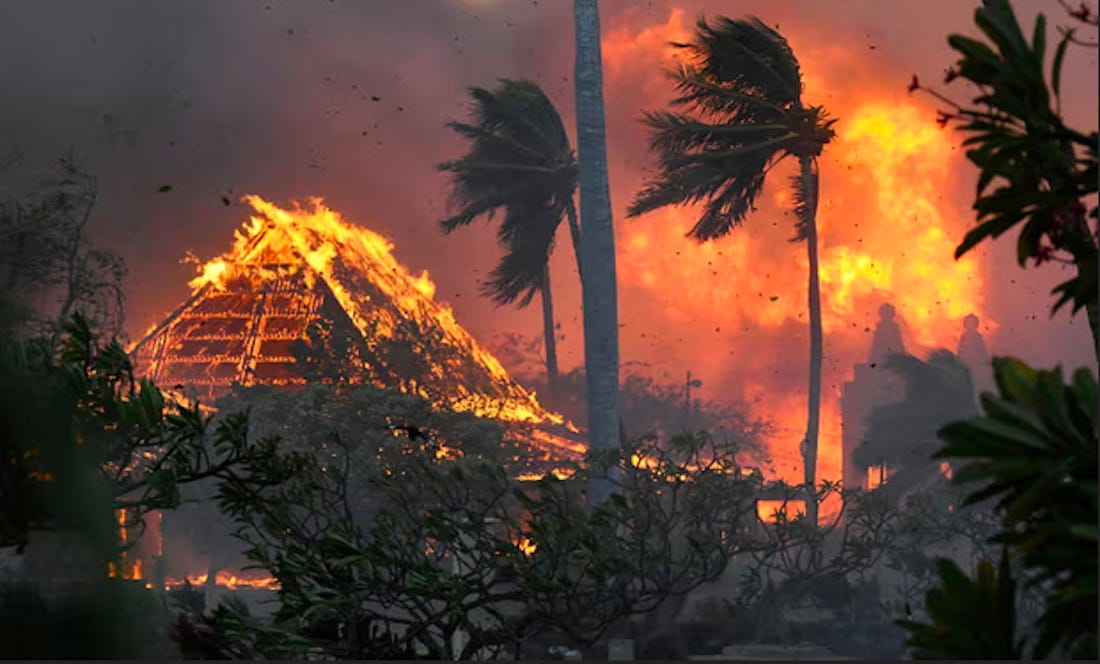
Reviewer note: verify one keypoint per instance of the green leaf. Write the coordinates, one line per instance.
(1027, 245)
(1056, 66)
(975, 236)
(975, 54)
(164, 188)
(1039, 41)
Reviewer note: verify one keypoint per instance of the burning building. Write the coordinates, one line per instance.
(303, 295)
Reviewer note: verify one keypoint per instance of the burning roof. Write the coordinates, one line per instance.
(253, 308)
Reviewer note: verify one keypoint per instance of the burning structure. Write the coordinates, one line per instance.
(303, 295)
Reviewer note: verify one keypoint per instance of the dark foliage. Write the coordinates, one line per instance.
(971, 618)
(455, 558)
(120, 620)
(84, 438)
(49, 269)
(1035, 452)
(1036, 173)
(520, 162)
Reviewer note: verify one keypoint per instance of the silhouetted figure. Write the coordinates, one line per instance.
(887, 340)
(973, 354)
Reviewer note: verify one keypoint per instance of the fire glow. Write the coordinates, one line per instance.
(226, 580)
(888, 227)
(279, 240)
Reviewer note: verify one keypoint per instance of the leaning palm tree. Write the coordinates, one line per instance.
(520, 162)
(741, 84)
(600, 293)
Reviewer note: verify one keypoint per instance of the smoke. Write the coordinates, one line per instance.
(348, 101)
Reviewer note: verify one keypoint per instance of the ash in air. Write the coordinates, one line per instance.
(514, 329)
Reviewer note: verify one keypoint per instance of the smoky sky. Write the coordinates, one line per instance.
(348, 101)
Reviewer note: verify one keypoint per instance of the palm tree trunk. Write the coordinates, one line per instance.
(575, 233)
(601, 320)
(548, 332)
(813, 402)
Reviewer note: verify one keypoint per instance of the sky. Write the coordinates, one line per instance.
(348, 101)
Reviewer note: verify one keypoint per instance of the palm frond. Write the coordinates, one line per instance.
(720, 99)
(520, 110)
(748, 56)
(674, 134)
(686, 185)
(742, 85)
(519, 163)
(469, 209)
(729, 209)
(728, 187)
(529, 237)
(497, 142)
(727, 153)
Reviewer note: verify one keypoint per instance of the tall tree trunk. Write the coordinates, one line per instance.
(601, 320)
(813, 401)
(548, 331)
(575, 233)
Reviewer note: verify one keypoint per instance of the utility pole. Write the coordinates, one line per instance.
(687, 398)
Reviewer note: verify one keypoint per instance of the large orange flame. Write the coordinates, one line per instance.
(887, 223)
(278, 239)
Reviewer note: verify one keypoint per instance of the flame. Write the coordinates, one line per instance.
(768, 511)
(877, 476)
(278, 241)
(227, 580)
(213, 273)
(526, 545)
(445, 452)
(129, 564)
(644, 461)
(560, 473)
(889, 219)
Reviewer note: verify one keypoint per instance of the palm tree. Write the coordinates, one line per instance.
(520, 161)
(601, 317)
(742, 84)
